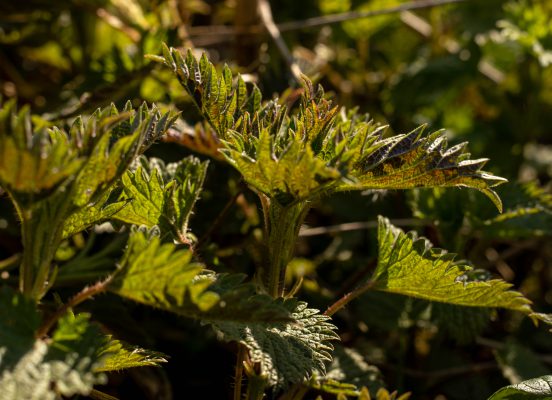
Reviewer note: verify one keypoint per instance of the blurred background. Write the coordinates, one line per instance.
(482, 70)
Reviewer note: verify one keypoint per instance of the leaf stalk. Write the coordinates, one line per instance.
(347, 298)
(83, 295)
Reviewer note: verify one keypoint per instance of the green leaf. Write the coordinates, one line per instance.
(33, 163)
(162, 276)
(287, 352)
(413, 160)
(31, 368)
(221, 102)
(110, 140)
(102, 211)
(120, 355)
(290, 175)
(410, 266)
(162, 196)
(532, 389)
(121, 138)
(144, 190)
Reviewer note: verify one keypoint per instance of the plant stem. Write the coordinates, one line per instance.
(239, 371)
(41, 231)
(347, 298)
(256, 387)
(284, 223)
(84, 294)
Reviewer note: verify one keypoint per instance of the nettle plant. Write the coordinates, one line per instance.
(65, 181)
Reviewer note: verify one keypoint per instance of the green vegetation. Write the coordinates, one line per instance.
(172, 228)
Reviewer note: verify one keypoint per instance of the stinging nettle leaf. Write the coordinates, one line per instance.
(162, 276)
(410, 266)
(118, 138)
(287, 352)
(532, 389)
(94, 214)
(72, 176)
(121, 355)
(162, 196)
(415, 160)
(33, 163)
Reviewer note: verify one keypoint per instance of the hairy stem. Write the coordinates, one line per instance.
(41, 231)
(256, 387)
(284, 223)
(347, 298)
(238, 377)
(84, 294)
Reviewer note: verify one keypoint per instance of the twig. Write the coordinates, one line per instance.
(84, 294)
(347, 16)
(116, 23)
(266, 17)
(354, 226)
(226, 32)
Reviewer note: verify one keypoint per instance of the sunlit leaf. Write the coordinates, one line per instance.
(162, 195)
(415, 160)
(120, 355)
(532, 389)
(162, 276)
(287, 352)
(410, 266)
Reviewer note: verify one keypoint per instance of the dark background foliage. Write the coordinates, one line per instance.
(482, 70)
